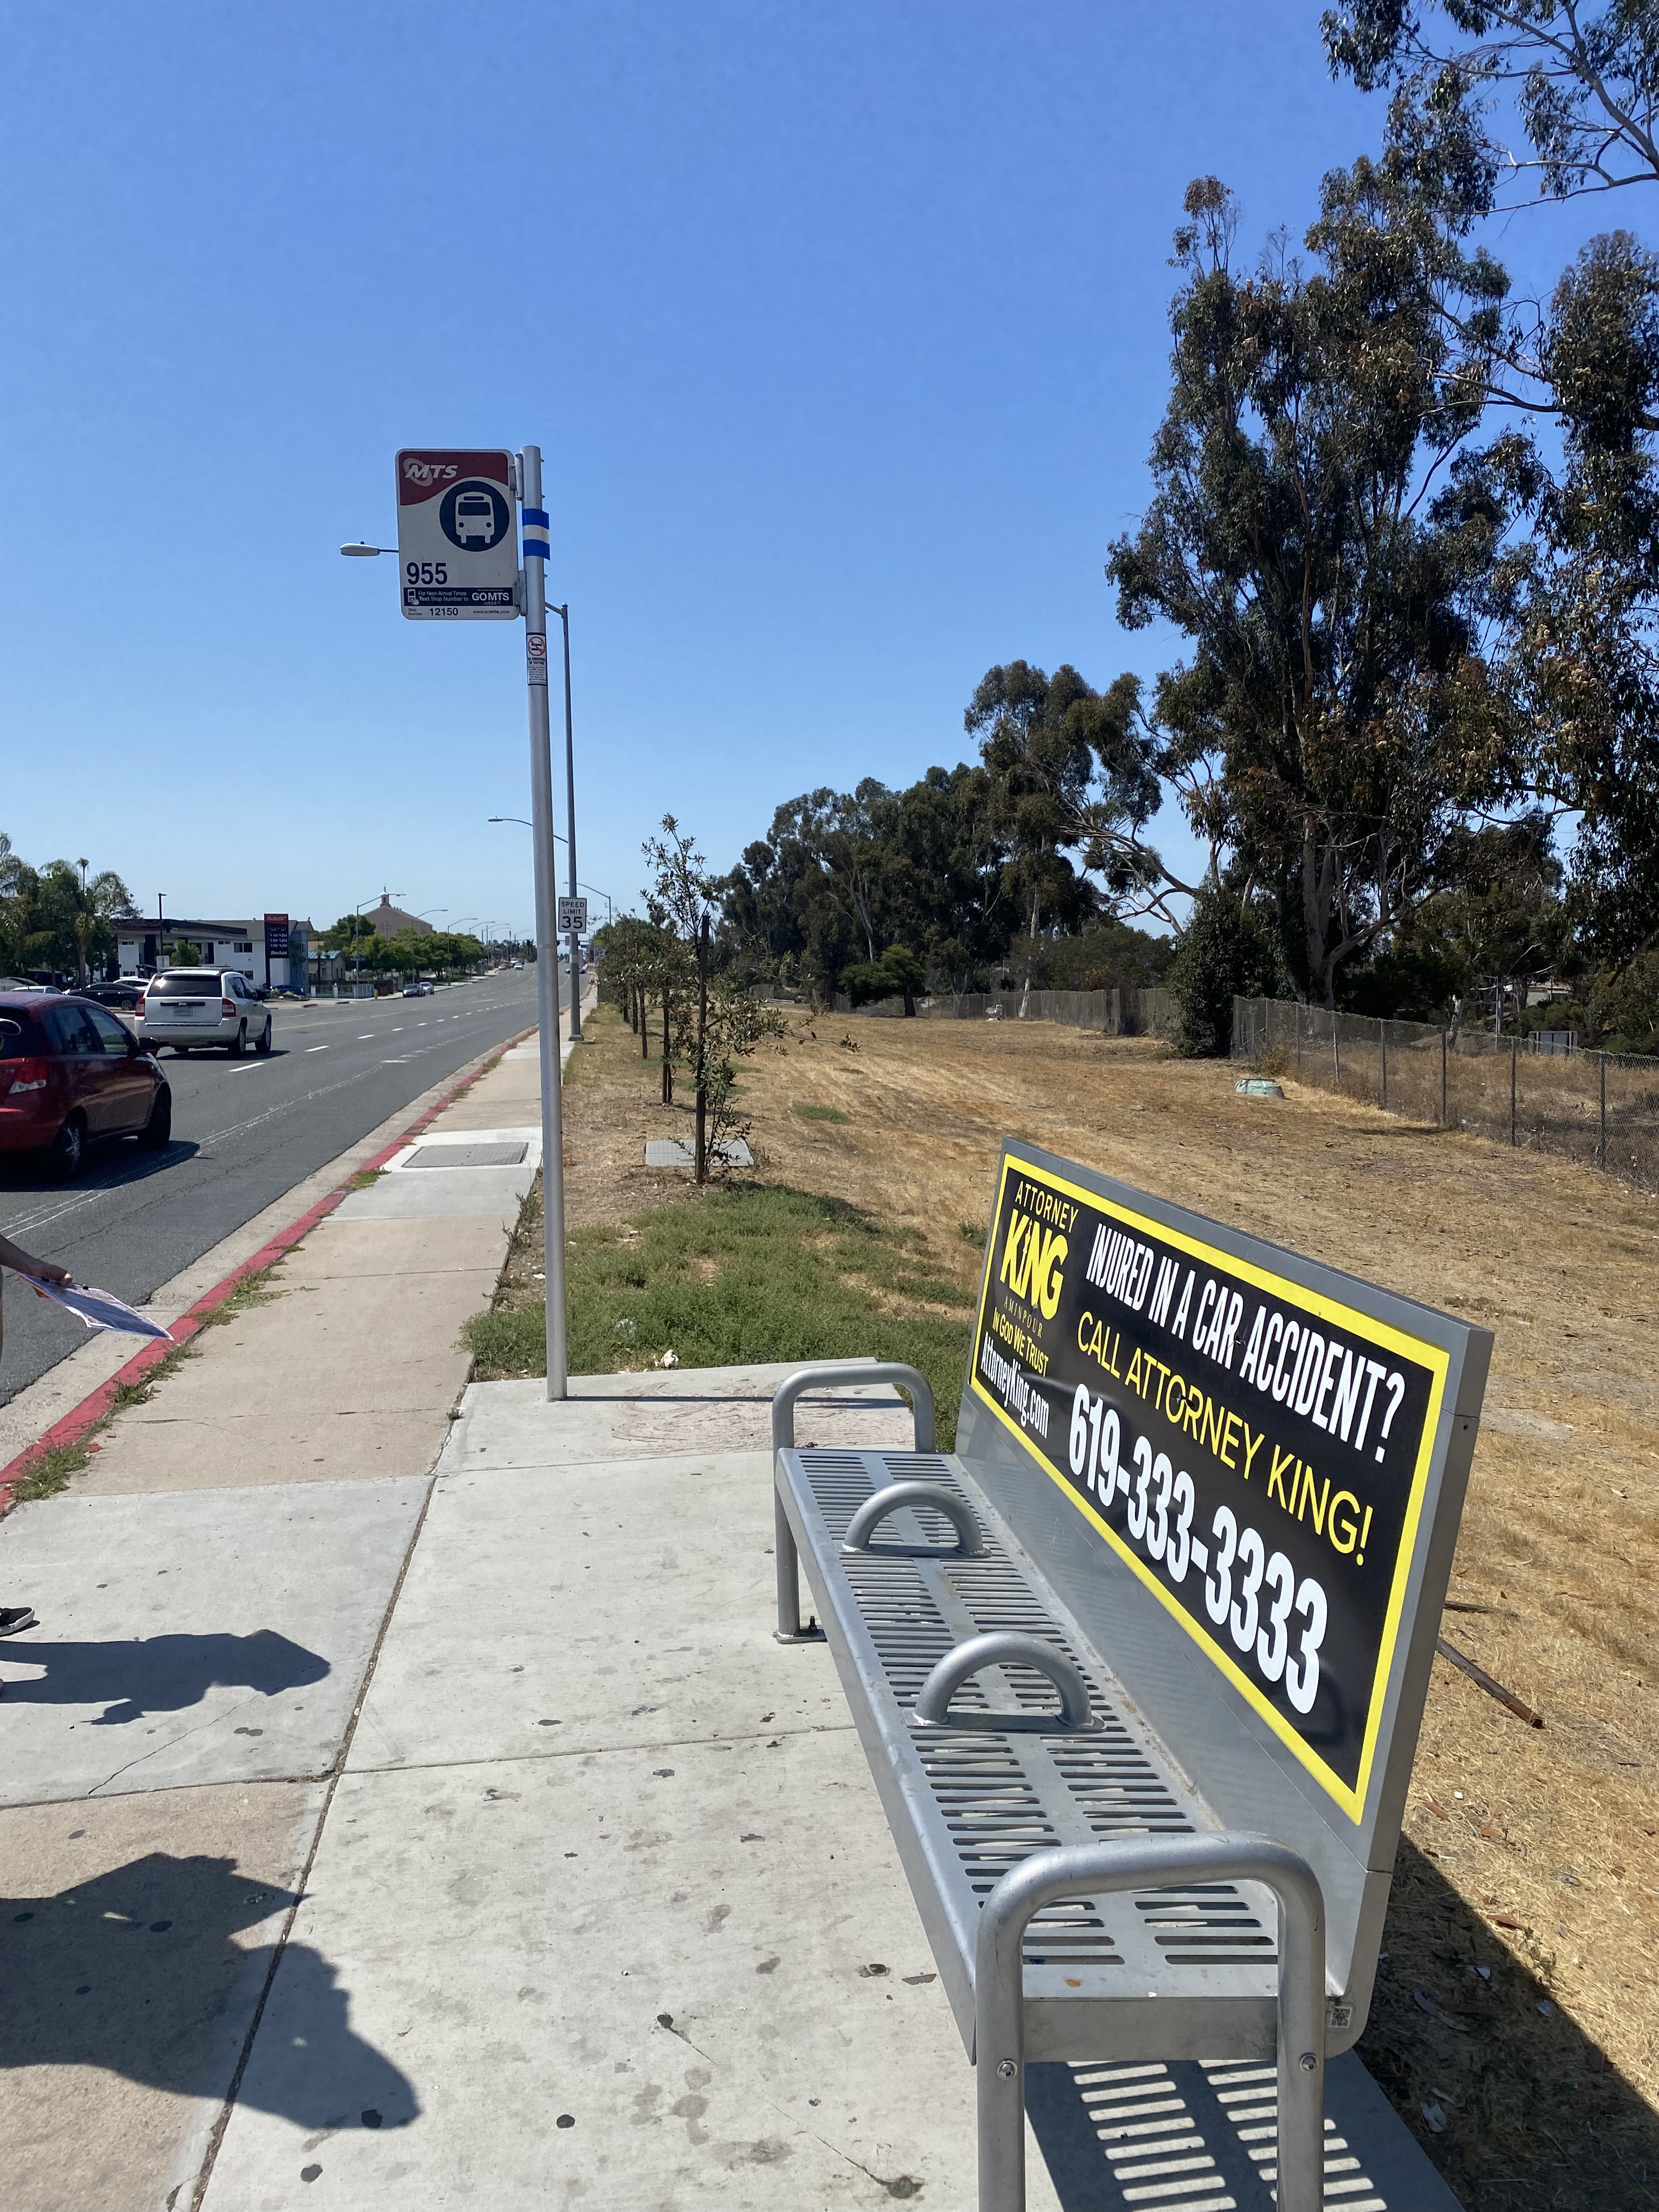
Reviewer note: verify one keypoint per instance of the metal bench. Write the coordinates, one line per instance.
(1146, 1766)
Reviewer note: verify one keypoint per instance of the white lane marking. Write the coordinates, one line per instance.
(251, 1067)
(365, 1037)
(397, 1029)
(404, 1062)
(316, 1047)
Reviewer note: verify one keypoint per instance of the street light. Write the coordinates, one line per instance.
(356, 941)
(557, 840)
(365, 552)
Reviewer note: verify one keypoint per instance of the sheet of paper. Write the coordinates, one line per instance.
(98, 1308)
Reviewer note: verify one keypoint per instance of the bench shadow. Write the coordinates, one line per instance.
(137, 1675)
(134, 1973)
(1534, 2112)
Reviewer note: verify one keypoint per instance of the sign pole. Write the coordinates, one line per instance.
(547, 943)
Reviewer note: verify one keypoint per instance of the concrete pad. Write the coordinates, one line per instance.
(628, 1604)
(469, 1113)
(681, 1409)
(440, 1194)
(510, 1079)
(673, 1960)
(355, 1249)
(136, 1936)
(680, 1152)
(194, 1638)
(359, 1344)
(300, 1441)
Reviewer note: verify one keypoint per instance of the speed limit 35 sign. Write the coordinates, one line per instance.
(458, 536)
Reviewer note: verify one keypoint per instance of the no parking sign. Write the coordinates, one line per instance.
(458, 536)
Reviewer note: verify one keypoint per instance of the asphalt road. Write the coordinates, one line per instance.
(243, 1133)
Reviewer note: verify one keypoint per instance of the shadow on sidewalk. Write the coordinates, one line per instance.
(157, 1673)
(133, 1972)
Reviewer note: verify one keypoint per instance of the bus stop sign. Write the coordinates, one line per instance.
(458, 536)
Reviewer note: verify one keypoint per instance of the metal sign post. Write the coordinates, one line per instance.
(547, 943)
(458, 551)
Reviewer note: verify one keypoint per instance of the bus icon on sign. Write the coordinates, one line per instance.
(475, 518)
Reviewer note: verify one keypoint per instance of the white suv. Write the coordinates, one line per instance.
(192, 1008)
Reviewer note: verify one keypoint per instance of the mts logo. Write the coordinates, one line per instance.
(426, 472)
(1031, 1257)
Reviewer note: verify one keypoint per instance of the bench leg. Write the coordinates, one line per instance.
(789, 1629)
(1150, 1862)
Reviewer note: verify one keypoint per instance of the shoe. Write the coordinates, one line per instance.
(14, 1617)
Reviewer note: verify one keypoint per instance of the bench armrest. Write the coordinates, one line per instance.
(850, 1375)
(1134, 1863)
(791, 1629)
(877, 1507)
(1005, 1647)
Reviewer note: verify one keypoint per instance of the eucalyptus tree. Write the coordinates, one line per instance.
(1337, 550)
(1511, 105)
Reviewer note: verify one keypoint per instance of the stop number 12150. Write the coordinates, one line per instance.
(1283, 1638)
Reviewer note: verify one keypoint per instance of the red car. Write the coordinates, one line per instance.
(71, 1073)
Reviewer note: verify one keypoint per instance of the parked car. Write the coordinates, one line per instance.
(126, 994)
(190, 1009)
(417, 990)
(70, 1073)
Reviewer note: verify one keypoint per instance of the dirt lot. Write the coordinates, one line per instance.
(1529, 1855)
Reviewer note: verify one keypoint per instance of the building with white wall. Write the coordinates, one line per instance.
(268, 952)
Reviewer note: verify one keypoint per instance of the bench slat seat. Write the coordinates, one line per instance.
(967, 1804)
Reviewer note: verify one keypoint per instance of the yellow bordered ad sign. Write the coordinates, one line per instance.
(1257, 1452)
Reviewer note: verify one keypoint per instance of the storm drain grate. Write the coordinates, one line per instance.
(467, 1155)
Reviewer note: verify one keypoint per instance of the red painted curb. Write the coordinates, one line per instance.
(81, 1419)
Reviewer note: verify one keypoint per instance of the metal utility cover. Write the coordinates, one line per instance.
(458, 536)
(467, 1156)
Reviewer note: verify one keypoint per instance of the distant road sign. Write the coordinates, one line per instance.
(573, 914)
(458, 536)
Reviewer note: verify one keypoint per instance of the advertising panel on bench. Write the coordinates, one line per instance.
(1257, 1451)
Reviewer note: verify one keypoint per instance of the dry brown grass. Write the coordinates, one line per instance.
(1553, 1831)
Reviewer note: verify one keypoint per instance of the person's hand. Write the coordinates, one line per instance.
(58, 1275)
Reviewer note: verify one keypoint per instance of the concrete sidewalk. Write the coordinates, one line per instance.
(211, 1591)
(461, 1838)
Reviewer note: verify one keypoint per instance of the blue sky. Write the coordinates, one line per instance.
(840, 328)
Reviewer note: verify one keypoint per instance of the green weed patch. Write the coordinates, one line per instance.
(748, 1274)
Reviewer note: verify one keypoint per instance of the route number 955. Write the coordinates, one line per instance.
(426, 572)
(1281, 1636)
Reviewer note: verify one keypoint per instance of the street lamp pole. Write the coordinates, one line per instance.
(547, 952)
(563, 613)
(356, 940)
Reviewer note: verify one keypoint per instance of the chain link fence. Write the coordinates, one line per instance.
(1601, 1109)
